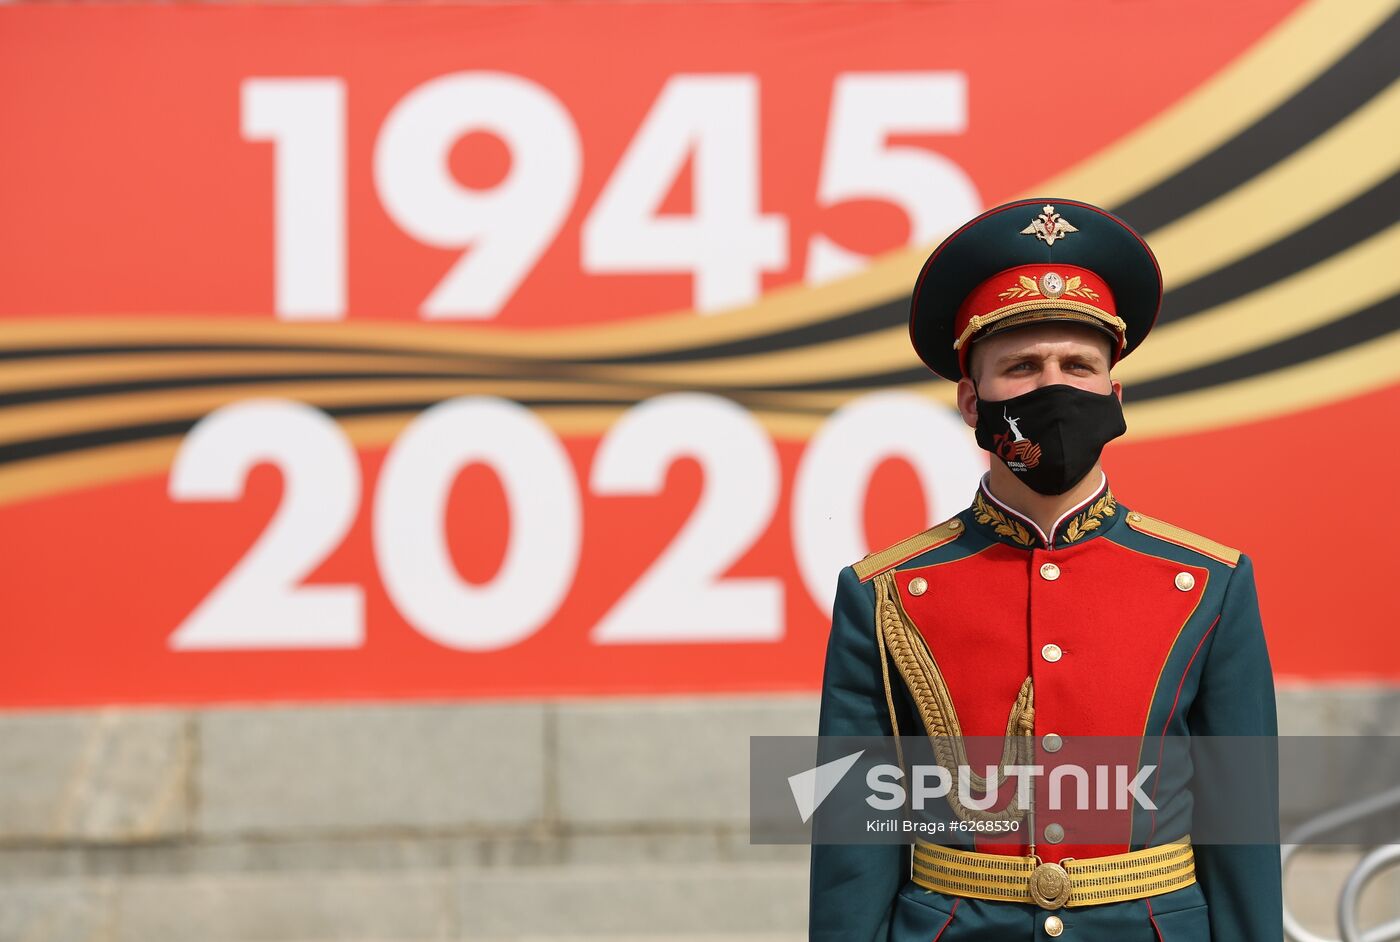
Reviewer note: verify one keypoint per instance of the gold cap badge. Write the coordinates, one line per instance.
(1048, 226)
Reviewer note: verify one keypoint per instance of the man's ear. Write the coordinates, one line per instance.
(967, 401)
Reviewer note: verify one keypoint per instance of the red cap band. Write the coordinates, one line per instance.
(1054, 290)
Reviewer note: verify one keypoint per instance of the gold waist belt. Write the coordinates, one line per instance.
(1079, 882)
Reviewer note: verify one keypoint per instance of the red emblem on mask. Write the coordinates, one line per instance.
(1019, 452)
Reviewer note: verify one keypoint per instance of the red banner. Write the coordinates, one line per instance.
(518, 350)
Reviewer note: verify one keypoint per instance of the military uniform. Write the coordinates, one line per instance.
(1112, 624)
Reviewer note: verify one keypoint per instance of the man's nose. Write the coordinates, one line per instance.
(1050, 374)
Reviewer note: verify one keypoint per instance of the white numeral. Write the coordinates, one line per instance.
(506, 227)
(259, 604)
(305, 119)
(683, 596)
(725, 241)
(933, 191)
(829, 493)
(410, 519)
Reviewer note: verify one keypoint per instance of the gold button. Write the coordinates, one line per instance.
(1185, 581)
(1054, 833)
(1051, 652)
(954, 524)
(918, 585)
(1135, 517)
(1054, 925)
(1052, 742)
(1050, 571)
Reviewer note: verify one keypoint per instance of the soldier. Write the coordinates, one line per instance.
(1048, 612)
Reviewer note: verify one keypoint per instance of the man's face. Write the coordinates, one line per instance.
(1025, 358)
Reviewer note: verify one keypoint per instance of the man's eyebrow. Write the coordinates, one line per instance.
(1093, 356)
(1024, 354)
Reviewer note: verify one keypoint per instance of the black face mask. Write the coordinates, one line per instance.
(1051, 436)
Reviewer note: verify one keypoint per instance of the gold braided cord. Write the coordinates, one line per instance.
(1040, 304)
(889, 693)
(921, 675)
(1053, 314)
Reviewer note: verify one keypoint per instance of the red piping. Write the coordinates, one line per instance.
(1161, 739)
(950, 919)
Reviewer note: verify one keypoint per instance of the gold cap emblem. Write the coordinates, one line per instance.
(1049, 226)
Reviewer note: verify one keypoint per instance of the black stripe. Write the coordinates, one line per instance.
(1360, 327)
(34, 353)
(1357, 327)
(1329, 235)
(894, 313)
(1346, 85)
(115, 435)
(86, 350)
(213, 380)
(1363, 326)
(60, 444)
(61, 393)
(849, 324)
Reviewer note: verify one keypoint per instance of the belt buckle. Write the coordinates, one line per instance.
(1050, 885)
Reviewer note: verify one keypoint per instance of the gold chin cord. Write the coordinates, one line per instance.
(897, 635)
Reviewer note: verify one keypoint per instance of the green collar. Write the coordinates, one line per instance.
(1090, 518)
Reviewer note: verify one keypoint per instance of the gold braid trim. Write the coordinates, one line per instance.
(889, 693)
(1182, 537)
(988, 513)
(921, 675)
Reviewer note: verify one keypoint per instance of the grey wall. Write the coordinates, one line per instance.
(618, 819)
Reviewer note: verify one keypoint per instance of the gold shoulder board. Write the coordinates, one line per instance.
(1174, 534)
(876, 563)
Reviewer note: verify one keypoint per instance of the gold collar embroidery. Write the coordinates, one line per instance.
(1092, 518)
(991, 515)
(1080, 525)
